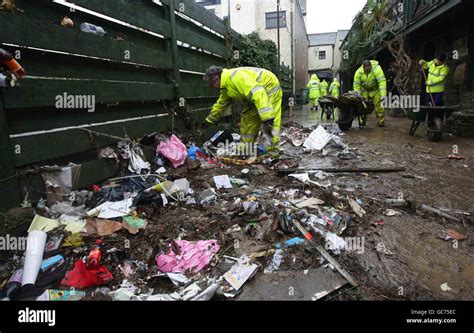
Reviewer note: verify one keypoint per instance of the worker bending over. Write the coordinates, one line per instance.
(260, 91)
(370, 82)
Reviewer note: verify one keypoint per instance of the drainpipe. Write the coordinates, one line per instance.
(293, 69)
(333, 51)
(228, 13)
(278, 31)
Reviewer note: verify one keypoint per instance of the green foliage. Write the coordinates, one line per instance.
(371, 28)
(256, 52)
(374, 18)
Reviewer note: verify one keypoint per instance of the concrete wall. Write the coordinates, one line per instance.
(337, 56)
(313, 57)
(300, 38)
(333, 57)
(301, 47)
(249, 15)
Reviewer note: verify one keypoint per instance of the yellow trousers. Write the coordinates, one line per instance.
(250, 121)
(376, 98)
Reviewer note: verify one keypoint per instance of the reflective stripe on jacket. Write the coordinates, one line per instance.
(372, 82)
(314, 87)
(249, 84)
(436, 82)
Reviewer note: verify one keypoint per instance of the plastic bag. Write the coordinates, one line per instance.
(174, 150)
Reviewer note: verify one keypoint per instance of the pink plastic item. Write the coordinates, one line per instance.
(193, 256)
(174, 150)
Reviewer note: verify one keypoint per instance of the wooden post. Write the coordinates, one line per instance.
(9, 189)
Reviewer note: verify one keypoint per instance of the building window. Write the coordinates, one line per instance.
(322, 55)
(271, 20)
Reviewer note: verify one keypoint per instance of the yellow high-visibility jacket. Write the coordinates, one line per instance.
(334, 89)
(324, 88)
(370, 84)
(436, 82)
(314, 87)
(249, 84)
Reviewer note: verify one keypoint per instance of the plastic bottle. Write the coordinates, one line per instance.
(13, 285)
(7, 60)
(93, 261)
(92, 29)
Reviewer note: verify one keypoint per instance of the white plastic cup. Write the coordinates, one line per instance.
(33, 256)
(182, 185)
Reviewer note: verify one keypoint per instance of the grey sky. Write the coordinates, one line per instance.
(331, 15)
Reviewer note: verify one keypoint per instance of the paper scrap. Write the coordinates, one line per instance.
(110, 210)
(45, 224)
(222, 182)
(311, 202)
(355, 207)
(102, 227)
(239, 274)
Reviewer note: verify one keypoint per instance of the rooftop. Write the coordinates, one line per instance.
(327, 38)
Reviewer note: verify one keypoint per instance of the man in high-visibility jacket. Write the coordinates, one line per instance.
(324, 88)
(259, 90)
(370, 82)
(334, 88)
(436, 81)
(314, 87)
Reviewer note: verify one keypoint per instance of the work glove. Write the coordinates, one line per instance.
(206, 125)
(422, 62)
(267, 129)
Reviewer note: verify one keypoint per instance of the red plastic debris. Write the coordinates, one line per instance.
(94, 274)
(80, 277)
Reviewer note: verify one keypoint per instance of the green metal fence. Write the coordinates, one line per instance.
(150, 59)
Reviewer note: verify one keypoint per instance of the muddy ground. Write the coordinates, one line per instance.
(420, 261)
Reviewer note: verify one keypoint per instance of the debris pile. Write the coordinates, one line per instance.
(193, 225)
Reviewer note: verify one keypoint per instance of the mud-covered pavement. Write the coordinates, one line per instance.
(421, 261)
(418, 261)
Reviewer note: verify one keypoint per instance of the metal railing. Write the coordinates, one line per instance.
(406, 12)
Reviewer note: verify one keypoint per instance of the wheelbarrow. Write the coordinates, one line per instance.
(352, 106)
(328, 104)
(434, 118)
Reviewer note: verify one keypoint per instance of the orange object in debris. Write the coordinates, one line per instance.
(15, 68)
(306, 233)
